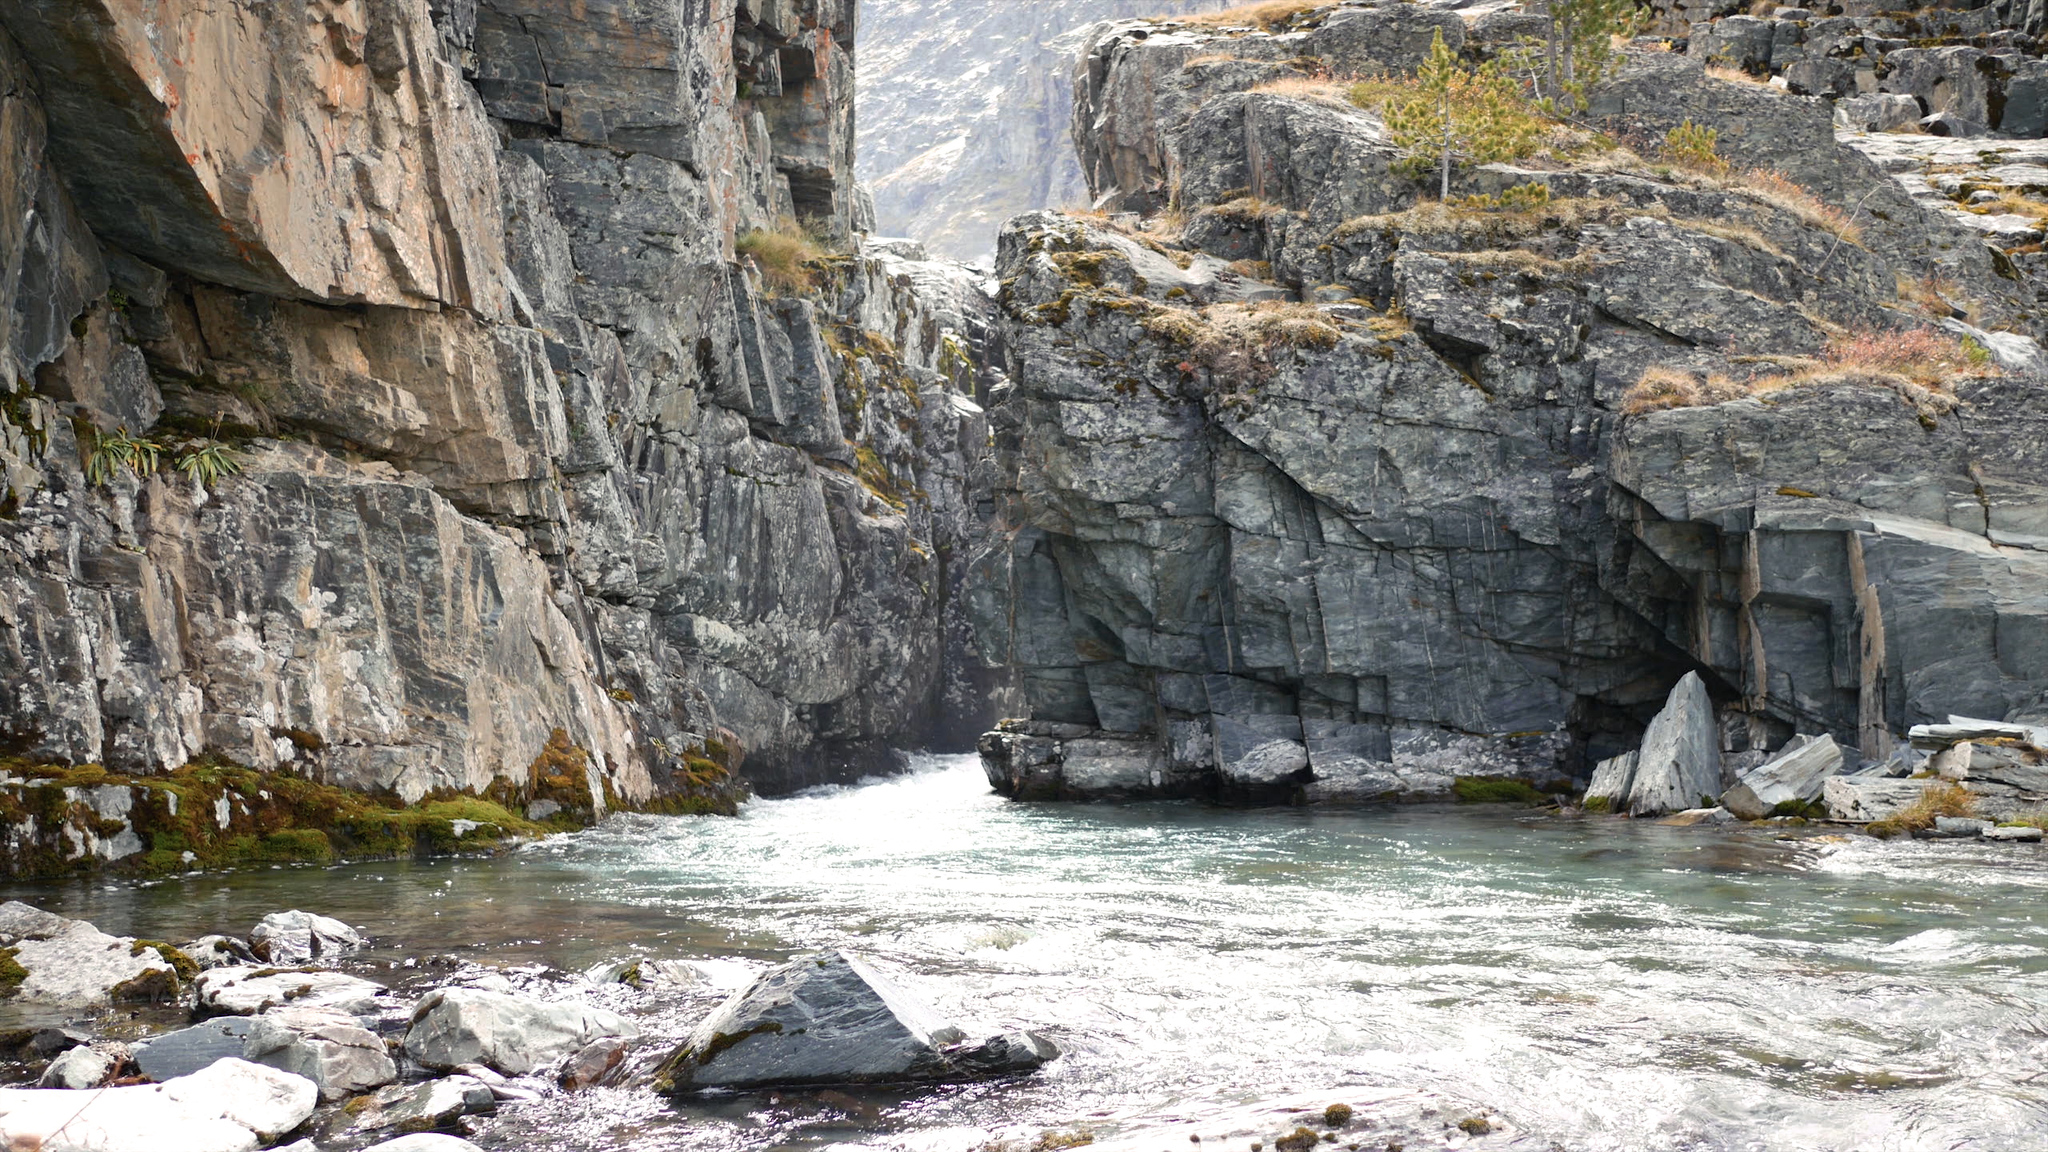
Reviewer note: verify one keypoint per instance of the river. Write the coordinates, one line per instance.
(1601, 984)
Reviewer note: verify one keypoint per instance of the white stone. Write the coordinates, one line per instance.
(1795, 775)
(2019, 833)
(1866, 798)
(1612, 779)
(70, 963)
(425, 1142)
(80, 1067)
(245, 990)
(327, 1047)
(297, 937)
(513, 1034)
(233, 1106)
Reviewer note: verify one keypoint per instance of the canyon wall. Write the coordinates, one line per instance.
(1315, 488)
(517, 440)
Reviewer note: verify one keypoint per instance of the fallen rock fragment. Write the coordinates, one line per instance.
(327, 1047)
(414, 1107)
(833, 1019)
(1794, 776)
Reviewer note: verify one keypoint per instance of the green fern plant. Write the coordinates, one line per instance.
(205, 463)
(114, 451)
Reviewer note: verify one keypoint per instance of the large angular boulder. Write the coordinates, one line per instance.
(833, 1019)
(231, 1106)
(511, 1034)
(297, 937)
(245, 991)
(1795, 775)
(1863, 799)
(325, 1046)
(1679, 764)
(189, 1050)
(70, 963)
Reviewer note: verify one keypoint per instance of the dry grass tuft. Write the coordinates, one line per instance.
(1262, 14)
(1919, 364)
(1238, 343)
(1310, 88)
(785, 255)
(1766, 186)
(1734, 75)
(2013, 204)
(1935, 800)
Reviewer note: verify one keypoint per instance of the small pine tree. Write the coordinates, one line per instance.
(1454, 112)
(1578, 48)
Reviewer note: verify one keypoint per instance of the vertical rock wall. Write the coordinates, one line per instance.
(523, 444)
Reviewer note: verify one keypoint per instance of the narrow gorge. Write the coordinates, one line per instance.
(798, 574)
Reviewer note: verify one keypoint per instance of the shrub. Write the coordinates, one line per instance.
(1921, 355)
(111, 452)
(785, 255)
(205, 463)
(1694, 146)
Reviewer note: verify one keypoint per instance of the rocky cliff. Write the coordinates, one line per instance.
(964, 112)
(1314, 487)
(387, 395)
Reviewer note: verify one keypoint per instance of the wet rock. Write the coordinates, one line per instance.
(832, 1019)
(1960, 827)
(2014, 833)
(512, 1034)
(1862, 799)
(231, 1106)
(188, 1050)
(297, 937)
(1794, 776)
(1612, 780)
(1960, 728)
(417, 1107)
(245, 991)
(1680, 760)
(1009, 1052)
(71, 963)
(82, 1067)
(327, 1047)
(1693, 816)
(219, 952)
(594, 1063)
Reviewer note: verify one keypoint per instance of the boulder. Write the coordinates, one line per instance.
(1865, 798)
(1679, 764)
(325, 1046)
(232, 1106)
(1961, 728)
(245, 991)
(512, 1034)
(1612, 779)
(425, 1142)
(593, 1063)
(70, 963)
(1794, 776)
(414, 1107)
(833, 1019)
(86, 1066)
(188, 1050)
(2014, 833)
(1692, 816)
(1960, 827)
(297, 937)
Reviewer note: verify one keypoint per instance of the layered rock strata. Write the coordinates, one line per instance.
(1314, 490)
(525, 453)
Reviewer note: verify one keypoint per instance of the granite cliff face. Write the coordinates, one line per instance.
(524, 445)
(964, 112)
(1312, 489)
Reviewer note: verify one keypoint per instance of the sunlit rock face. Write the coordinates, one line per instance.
(964, 112)
(523, 444)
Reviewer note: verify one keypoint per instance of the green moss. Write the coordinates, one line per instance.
(186, 968)
(1599, 805)
(1337, 1115)
(1494, 790)
(11, 973)
(157, 987)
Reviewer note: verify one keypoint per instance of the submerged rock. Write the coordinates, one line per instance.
(833, 1019)
(297, 937)
(70, 963)
(232, 1106)
(434, 1104)
(512, 1034)
(1794, 776)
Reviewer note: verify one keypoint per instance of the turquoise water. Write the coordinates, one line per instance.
(1601, 984)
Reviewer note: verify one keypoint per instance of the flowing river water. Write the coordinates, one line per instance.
(1601, 984)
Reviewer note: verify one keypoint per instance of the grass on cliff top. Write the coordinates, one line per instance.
(786, 255)
(1921, 365)
(1263, 14)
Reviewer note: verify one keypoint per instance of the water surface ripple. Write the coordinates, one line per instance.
(1606, 985)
